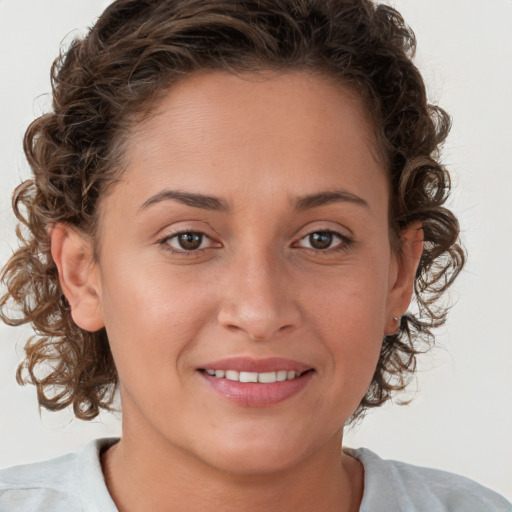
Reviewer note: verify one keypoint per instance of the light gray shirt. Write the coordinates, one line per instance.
(74, 483)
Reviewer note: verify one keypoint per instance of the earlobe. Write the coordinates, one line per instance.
(73, 256)
(408, 259)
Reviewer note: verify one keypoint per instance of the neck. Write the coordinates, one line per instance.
(151, 474)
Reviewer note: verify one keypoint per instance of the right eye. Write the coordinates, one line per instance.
(187, 241)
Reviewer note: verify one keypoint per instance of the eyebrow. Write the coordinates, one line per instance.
(327, 197)
(214, 203)
(190, 199)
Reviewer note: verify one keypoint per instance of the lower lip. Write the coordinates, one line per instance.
(258, 395)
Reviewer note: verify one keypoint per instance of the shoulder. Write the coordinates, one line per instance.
(55, 485)
(392, 485)
(39, 486)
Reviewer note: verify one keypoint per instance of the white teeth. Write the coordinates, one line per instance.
(248, 377)
(232, 375)
(267, 378)
(263, 378)
(281, 375)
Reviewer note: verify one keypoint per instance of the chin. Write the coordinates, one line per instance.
(258, 454)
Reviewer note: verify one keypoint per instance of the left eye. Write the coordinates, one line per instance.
(321, 240)
(188, 241)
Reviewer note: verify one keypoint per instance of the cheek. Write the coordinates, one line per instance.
(352, 330)
(353, 300)
(348, 314)
(152, 315)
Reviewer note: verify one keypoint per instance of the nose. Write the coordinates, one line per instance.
(259, 298)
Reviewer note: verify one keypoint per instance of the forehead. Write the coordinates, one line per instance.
(253, 132)
(310, 101)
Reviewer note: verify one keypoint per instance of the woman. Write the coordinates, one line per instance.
(233, 204)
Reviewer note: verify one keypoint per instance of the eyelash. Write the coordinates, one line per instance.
(343, 245)
(164, 241)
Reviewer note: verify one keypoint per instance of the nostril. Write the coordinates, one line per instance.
(258, 317)
(257, 333)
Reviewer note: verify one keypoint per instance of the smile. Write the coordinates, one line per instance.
(250, 382)
(262, 378)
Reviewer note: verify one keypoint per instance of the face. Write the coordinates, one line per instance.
(247, 240)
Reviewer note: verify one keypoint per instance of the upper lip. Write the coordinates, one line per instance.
(248, 364)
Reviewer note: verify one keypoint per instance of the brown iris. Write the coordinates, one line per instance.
(190, 241)
(320, 239)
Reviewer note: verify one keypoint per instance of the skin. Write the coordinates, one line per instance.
(255, 288)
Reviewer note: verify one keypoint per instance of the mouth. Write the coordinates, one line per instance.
(255, 377)
(257, 383)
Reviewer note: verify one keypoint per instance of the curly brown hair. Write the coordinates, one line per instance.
(108, 81)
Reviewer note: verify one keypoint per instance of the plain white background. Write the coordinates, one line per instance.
(461, 415)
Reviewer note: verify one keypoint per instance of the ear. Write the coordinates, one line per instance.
(78, 275)
(406, 264)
